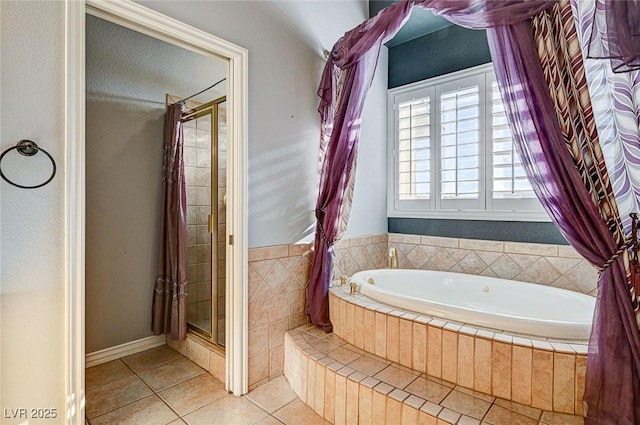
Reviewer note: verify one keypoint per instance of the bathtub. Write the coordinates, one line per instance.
(502, 304)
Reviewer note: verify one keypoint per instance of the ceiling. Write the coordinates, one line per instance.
(420, 23)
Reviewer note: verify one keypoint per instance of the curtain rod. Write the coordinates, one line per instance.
(200, 92)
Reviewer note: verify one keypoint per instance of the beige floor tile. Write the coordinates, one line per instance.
(225, 411)
(297, 413)
(334, 339)
(113, 395)
(466, 404)
(192, 394)
(395, 376)
(428, 390)
(148, 411)
(273, 395)
(368, 365)
(551, 418)
(151, 358)
(500, 416)
(323, 346)
(532, 412)
(106, 372)
(344, 355)
(466, 420)
(269, 420)
(178, 422)
(172, 373)
(476, 394)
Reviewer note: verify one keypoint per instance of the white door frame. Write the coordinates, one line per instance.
(147, 21)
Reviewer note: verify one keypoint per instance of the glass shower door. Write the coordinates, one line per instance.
(205, 172)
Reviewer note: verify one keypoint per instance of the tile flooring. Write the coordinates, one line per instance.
(160, 386)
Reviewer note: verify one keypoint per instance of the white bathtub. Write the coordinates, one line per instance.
(507, 305)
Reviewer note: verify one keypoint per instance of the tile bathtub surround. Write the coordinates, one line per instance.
(361, 253)
(123, 391)
(393, 394)
(547, 375)
(559, 266)
(278, 279)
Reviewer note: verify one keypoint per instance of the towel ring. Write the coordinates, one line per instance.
(27, 148)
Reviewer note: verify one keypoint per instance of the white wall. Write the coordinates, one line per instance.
(369, 210)
(284, 71)
(32, 271)
(285, 42)
(320, 24)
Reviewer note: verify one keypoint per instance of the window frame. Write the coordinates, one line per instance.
(457, 209)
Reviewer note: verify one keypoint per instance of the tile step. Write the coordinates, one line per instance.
(344, 384)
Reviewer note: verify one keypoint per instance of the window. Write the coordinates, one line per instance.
(452, 154)
(414, 149)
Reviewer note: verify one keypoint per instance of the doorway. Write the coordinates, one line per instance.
(146, 21)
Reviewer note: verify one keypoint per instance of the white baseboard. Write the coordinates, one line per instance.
(128, 348)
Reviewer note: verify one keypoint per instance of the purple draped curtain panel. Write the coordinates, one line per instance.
(542, 82)
(345, 81)
(169, 299)
(343, 87)
(558, 144)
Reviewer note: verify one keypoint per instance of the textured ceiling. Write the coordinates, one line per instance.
(420, 23)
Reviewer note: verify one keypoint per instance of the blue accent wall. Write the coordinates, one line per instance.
(510, 231)
(441, 52)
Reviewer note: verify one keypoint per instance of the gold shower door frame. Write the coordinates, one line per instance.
(210, 108)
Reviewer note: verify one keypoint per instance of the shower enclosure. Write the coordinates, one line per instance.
(205, 147)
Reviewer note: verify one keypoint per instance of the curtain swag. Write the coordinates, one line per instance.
(539, 68)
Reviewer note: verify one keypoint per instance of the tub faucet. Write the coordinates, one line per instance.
(354, 288)
(393, 258)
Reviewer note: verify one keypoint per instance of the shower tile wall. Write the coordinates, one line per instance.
(197, 158)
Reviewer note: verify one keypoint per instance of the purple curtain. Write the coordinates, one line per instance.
(169, 299)
(613, 382)
(612, 393)
(621, 39)
(345, 81)
(343, 87)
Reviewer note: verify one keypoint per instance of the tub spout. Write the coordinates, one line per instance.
(393, 258)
